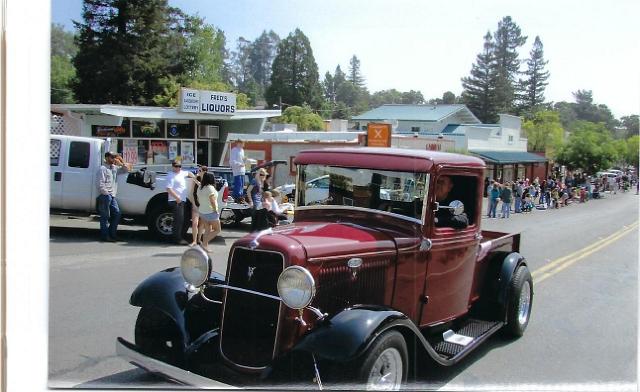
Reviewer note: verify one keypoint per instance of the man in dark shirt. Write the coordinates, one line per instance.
(444, 216)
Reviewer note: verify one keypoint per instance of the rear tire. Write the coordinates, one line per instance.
(519, 302)
(160, 221)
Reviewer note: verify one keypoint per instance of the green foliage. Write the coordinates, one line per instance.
(584, 109)
(631, 124)
(544, 132)
(448, 98)
(507, 40)
(205, 46)
(531, 89)
(590, 147)
(355, 76)
(394, 96)
(632, 151)
(294, 78)
(63, 73)
(479, 88)
(302, 116)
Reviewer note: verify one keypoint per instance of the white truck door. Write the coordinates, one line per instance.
(78, 185)
(56, 159)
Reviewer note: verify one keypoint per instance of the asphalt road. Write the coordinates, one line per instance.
(582, 335)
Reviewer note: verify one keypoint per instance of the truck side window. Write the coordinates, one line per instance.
(464, 189)
(79, 153)
(54, 152)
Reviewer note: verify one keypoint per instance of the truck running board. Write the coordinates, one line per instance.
(453, 345)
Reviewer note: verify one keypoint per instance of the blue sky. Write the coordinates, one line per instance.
(429, 45)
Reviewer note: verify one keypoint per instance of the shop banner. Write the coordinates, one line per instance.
(187, 152)
(159, 149)
(173, 150)
(130, 151)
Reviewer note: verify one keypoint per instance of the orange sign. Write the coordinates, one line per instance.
(379, 135)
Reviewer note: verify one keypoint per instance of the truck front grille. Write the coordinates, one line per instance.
(337, 288)
(249, 321)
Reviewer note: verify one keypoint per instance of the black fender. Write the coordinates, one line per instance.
(159, 199)
(165, 291)
(509, 266)
(349, 333)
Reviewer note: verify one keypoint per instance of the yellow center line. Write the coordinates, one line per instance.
(563, 262)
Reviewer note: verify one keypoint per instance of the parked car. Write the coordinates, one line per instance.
(356, 290)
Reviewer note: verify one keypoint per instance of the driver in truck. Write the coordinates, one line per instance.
(444, 216)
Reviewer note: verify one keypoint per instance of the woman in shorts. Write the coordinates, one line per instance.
(209, 210)
(195, 214)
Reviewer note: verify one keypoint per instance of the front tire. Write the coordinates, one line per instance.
(157, 336)
(385, 365)
(519, 302)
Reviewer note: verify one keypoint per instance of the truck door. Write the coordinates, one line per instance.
(56, 167)
(452, 257)
(78, 185)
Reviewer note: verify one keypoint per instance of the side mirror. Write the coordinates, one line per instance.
(456, 207)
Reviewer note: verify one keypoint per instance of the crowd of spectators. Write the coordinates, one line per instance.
(525, 196)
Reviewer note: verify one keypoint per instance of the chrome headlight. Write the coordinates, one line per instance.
(296, 287)
(195, 266)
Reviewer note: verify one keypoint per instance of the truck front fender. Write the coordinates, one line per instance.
(349, 333)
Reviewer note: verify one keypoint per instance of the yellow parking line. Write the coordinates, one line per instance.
(565, 261)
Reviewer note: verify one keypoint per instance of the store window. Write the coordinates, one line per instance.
(147, 128)
(110, 130)
(181, 129)
(159, 152)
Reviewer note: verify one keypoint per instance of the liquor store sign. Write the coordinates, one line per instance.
(207, 102)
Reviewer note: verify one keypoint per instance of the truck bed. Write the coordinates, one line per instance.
(496, 241)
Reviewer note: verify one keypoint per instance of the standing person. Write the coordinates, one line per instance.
(177, 192)
(237, 161)
(209, 210)
(505, 196)
(108, 188)
(254, 191)
(193, 199)
(517, 197)
(487, 194)
(494, 198)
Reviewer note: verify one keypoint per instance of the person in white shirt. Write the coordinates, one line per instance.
(177, 192)
(237, 162)
(106, 203)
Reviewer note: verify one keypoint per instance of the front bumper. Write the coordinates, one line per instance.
(129, 352)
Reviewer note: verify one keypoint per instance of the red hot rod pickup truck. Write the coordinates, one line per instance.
(365, 282)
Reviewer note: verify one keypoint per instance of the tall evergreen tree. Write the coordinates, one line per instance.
(507, 40)
(263, 51)
(531, 89)
(241, 64)
(355, 76)
(479, 87)
(126, 47)
(63, 73)
(294, 78)
(329, 88)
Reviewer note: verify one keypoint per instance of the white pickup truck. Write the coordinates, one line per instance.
(74, 166)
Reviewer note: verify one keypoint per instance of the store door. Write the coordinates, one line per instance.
(202, 155)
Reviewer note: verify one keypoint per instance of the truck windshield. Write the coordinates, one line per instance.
(396, 192)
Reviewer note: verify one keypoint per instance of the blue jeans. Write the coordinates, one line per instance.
(109, 213)
(517, 205)
(506, 209)
(238, 186)
(492, 208)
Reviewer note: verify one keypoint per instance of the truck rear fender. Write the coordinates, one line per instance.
(349, 334)
(159, 199)
(509, 266)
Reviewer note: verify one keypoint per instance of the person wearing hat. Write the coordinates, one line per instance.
(177, 195)
(107, 203)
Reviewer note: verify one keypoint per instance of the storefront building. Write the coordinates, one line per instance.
(154, 135)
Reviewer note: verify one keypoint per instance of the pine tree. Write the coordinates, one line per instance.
(479, 87)
(507, 40)
(126, 48)
(294, 78)
(263, 51)
(531, 89)
(355, 76)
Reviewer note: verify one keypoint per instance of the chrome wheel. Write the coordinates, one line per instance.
(525, 303)
(386, 373)
(164, 223)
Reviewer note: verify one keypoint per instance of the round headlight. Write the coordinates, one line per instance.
(195, 266)
(296, 287)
